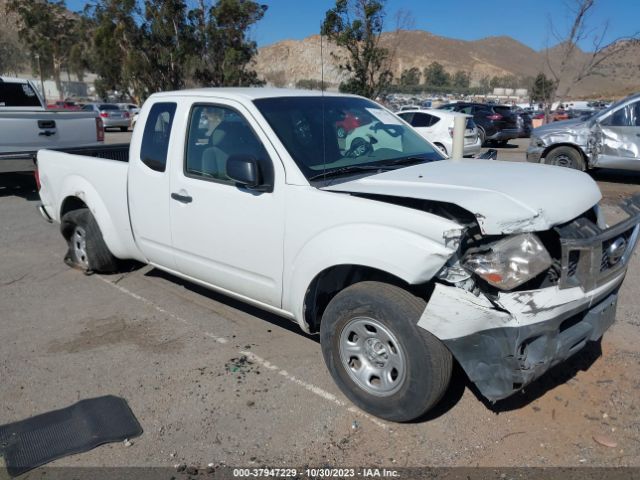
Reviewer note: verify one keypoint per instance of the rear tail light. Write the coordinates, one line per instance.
(36, 176)
(104, 114)
(125, 114)
(99, 130)
(495, 116)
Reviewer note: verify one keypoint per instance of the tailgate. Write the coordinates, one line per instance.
(23, 131)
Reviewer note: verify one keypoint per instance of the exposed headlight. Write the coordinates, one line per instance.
(509, 262)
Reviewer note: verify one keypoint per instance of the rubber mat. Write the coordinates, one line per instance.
(79, 428)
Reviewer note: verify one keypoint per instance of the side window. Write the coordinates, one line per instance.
(466, 109)
(422, 120)
(217, 133)
(87, 108)
(407, 117)
(155, 140)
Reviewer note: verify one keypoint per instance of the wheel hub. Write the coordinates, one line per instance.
(372, 356)
(376, 352)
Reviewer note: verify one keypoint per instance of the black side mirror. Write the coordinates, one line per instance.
(244, 170)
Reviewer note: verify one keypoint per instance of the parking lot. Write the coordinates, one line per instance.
(214, 381)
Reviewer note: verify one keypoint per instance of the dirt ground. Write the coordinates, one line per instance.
(214, 381)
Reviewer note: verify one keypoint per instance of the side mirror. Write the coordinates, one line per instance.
(244, 170)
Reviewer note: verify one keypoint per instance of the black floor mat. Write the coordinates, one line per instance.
(79, 428)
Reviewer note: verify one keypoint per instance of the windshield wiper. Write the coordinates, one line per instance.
(344, 170)
(392, 165)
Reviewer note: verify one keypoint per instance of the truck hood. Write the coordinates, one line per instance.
(505, 197)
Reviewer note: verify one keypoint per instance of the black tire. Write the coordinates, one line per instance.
(483, 136)
(94, 256)
(428, 362)
(565, 157)
(441, 148)
(124, 129)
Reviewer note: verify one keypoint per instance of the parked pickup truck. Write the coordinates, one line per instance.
(401, 260)
(27, 126)
(609, 138)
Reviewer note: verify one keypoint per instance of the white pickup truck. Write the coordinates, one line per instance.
(27, 126)
(401, 260)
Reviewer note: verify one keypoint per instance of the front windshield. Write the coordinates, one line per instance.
(338, 135)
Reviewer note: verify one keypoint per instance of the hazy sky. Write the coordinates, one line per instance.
(524, 20)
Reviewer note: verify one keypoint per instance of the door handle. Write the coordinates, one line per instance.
(47, 133)
(182, 198)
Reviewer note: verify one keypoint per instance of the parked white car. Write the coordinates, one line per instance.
(400, 259)
(437, 127)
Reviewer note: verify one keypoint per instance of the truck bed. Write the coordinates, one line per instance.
(97, 176)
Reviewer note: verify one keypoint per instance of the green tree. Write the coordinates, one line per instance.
(410, 76)
(356, 25)
(461, 80)
(48, 30)
(223, 51)
(485, 84)
(543, 90)
(436, 76)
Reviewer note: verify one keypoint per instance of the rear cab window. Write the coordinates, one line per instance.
(14, 94)
(157, 132)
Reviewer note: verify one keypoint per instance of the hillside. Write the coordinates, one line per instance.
(292, 60)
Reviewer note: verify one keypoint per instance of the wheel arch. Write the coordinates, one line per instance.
(332, 280)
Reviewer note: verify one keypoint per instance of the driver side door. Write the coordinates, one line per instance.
(618, 138)
(225, 235)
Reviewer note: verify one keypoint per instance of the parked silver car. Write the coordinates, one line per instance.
(610, 139)
(111, 115)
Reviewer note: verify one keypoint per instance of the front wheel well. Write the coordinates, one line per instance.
(71, 203)
(328, 283)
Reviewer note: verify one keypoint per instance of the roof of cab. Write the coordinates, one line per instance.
(247, 93)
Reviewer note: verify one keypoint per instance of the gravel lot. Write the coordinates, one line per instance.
(212, 380)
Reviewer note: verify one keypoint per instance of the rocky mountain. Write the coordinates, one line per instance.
(288, 61)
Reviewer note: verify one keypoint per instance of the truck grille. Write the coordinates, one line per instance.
(590, 256)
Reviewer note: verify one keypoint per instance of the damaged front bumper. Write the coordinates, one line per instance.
(506, 342)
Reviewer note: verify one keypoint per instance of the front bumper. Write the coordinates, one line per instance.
(506, 342)
(534, 154)
(501, 361)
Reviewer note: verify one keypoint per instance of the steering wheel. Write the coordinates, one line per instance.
(359, 147)
(393, 130)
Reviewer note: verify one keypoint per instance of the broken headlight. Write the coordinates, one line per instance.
(510, 262)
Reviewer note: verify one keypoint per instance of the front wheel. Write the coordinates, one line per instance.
(87, 250)
(378, 356)
(565, 157)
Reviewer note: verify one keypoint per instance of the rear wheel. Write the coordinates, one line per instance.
(87, 250)
(441, 148)
(482, 136)
(565, 157)
(378, 356)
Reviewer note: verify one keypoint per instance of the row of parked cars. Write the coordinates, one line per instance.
(113, 115)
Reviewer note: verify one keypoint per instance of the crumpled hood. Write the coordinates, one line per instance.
(573, 126)
(505, 197)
